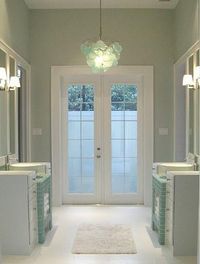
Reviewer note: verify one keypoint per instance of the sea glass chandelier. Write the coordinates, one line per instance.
(100, 55)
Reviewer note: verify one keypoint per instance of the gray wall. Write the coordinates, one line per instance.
(146, 37)
(185, 26)
(14, 26)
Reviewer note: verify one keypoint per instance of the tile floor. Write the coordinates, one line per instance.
(57, 248)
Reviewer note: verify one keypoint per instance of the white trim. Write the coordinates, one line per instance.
(136, 198)
(145, 72)
(188, 53)
(183, 60)
(22, 62)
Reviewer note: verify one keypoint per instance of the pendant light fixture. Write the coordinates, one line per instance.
(100, 55)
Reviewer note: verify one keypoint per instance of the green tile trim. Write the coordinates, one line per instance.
(158, 220)
(44, 223)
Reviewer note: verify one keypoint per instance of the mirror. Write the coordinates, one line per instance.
(191, 108)
(12, 108)
(3, 113)
(22, 115)
(197, 103)
(15, 127)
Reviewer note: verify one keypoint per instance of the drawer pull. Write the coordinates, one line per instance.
(167, 209)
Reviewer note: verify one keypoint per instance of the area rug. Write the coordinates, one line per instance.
(104, 239)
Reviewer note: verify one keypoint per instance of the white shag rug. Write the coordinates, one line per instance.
(104, 239)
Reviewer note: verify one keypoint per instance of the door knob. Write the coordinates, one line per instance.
(98, 156)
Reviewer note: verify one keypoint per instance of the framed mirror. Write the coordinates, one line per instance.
(12, 109)
(197, 115)
(22, 115)
(4, 135)
(15, 107)
(191, 94)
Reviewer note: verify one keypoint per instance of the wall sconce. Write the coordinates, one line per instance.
(3, 78)
(14, 83)
(4, 84)
(190, 82)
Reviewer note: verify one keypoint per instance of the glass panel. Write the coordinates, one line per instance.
(130, 148)
(124, 138)
(131, 115)
(75, 184)
(88, 167)
(87, 148)
(74, 148)
(74, 94)
(87, 130)
(74, 130)
(87, 93)
(88, 185)
(74, 111)
(131, 129)
(74, 167)
(131, 175)
(117, 148)
(117, 111)
(130, 93)
(117, 129)
(81, 129)
(117, 93)
(88, 115)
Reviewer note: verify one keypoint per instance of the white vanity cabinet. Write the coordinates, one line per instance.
(181, 216)
(18, 212)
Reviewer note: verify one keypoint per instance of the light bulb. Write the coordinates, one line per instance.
(99, 61)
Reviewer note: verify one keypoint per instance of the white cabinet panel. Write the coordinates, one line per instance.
(182, 212)
(18, 217)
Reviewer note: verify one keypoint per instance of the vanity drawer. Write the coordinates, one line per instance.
(33, 234)
(32, 192)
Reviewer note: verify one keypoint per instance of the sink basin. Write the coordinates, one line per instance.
(163, 168)
(29, 166)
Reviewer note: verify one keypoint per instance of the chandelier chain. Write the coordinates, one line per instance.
(100, 21)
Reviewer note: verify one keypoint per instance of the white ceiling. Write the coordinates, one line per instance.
(63, 4)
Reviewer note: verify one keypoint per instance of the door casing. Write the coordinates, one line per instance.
(58, 74)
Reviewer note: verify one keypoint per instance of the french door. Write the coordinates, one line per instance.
(102, 137)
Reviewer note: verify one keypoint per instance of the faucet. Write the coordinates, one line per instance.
(10, 159)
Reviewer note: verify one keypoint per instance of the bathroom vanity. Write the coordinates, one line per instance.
(18, 212)
(44, 200)
(159, 193)
(181, 217)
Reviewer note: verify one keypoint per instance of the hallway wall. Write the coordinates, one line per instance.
(14, 26)
(146, 37)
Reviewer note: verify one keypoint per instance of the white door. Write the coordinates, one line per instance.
(102, 139)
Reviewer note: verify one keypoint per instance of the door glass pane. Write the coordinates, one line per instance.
(80, 117)
(124, 138)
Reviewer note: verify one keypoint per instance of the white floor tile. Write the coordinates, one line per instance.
(66, 219)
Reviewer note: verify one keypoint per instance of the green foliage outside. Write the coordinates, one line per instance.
(123, 97)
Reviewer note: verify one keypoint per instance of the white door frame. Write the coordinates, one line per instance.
(85, 198)
(108, 196)
(145, 73)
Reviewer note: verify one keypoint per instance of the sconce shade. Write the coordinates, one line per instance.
(197, 73)
(3, 73)
(188, 80)
(14, 82)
